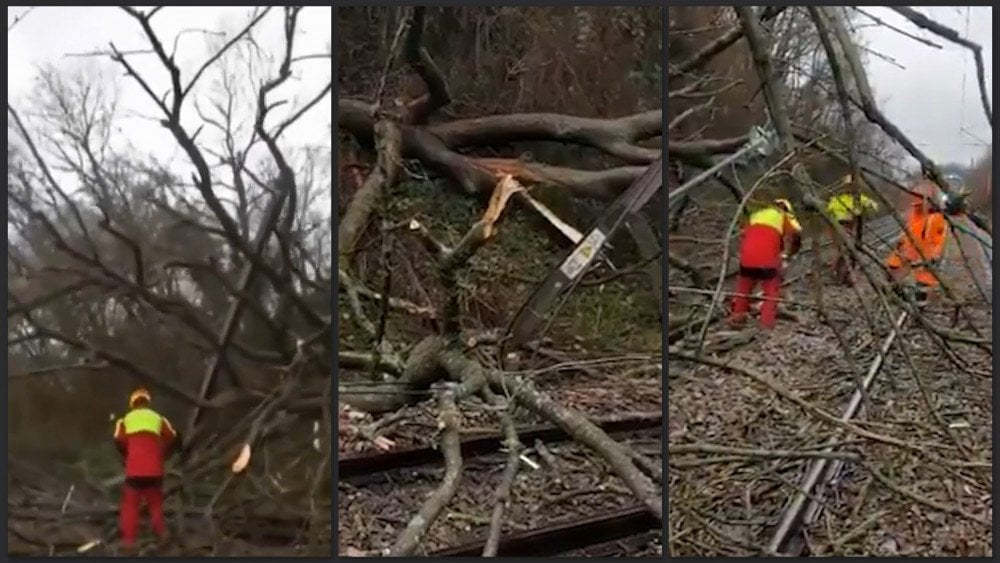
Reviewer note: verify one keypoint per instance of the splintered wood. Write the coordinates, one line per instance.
(513, 167)
(506, 187)
(242, 460)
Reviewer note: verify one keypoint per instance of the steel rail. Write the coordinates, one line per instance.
(564, 536)
(789, 538)
(352, 467)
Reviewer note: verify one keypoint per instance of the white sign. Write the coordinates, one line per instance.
(583, 254)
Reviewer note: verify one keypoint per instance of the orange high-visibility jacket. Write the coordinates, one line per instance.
(928, 230)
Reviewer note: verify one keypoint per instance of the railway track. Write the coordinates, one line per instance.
(564, 537)
(364, 467)
(821, 477)
(615, 530)
(806, 505)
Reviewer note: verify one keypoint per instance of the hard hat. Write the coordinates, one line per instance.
(137, 395)
(784, 204)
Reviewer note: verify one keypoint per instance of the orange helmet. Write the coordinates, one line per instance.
(138, 395)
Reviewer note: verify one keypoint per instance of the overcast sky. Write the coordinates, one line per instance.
(935, 98)
(46, 35)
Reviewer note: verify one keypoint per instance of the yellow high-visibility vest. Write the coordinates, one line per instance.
(774, 218)
(841, 207)
(142, 420)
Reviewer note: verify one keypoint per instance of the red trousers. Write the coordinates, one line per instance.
(745, 285)
(132, 499)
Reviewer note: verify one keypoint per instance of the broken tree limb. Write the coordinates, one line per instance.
(587, 433)
(451, 448)
(381, 178)
(420, 61)
(503, 496)
(615, 136)
(424, 144)
(726, 40)
(708, 147)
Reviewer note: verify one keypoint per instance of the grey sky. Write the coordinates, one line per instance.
(47, 34)
(935, 99)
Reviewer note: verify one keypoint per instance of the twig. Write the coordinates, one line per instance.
(917, 497)
(759, 453)
(503, 497)
(903, 32)
(18, 18)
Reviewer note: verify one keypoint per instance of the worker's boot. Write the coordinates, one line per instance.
(129, 550)
(737, 321)
(926, 294)
(163, 541)
(768, 317)
(903, 290)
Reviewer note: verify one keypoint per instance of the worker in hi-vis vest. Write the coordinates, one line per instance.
(847, 208)
(145, 439)
(928, 232)
(762, 254)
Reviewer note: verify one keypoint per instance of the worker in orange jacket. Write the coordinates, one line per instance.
(768, 232)
(928, 230)
(145, 439)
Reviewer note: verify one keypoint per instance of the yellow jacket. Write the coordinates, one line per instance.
(842, 207)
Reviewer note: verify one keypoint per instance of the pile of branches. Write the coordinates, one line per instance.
(716, 487)
(452, 363)
(122, 274)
